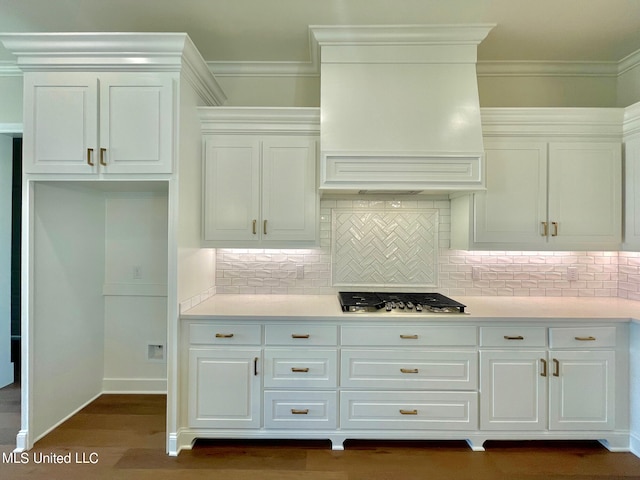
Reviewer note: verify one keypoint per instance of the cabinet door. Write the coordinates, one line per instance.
(232, 188)
(632, 195)
(136, 123)
(585, 194)
(513, 390)
(224, 388)
(60, 123)
(515, 204)
(581, 390)
(289, 197)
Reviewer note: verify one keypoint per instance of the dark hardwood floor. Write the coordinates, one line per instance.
(124, 437)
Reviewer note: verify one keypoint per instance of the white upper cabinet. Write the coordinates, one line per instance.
(260, 185)
(87, 123)
(560, 191)
(632, 178)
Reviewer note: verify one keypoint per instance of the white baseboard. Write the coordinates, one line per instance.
(134, 385)
(634, 444)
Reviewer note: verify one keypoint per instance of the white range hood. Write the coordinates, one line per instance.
(400, 109)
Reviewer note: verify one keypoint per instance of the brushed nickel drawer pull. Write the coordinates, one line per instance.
(544, 367)
(264, 227)
(89, 153)
(300, 335)
(556, 368)
(409, 337)
(102, 162)
(254, 227)
(409, 370)
(555, 229)
(299, 370)
(545, 229)
(408, 412)
(224, 335)
(295, 411)
(586, 339)
(518, 337)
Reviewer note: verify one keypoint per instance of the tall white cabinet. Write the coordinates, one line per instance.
(552, 187)
(260, 185)
(110, 120)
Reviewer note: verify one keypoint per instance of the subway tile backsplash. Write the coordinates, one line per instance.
(604, 274)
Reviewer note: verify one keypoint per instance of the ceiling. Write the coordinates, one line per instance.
(277, 30)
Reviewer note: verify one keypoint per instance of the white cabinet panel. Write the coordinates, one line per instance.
(300, 409)
(224, 388)
(513, 390)
(298, 368)
(632, 194)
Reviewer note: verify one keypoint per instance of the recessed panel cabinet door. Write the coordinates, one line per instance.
(136, 119)
(585, 193)
(224, 388)
(515, 204)
(232, 188)
(60, 123)
(581, 390)
(289, 189)
(513, 390)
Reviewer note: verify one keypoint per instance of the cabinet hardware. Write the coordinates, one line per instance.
(224, 335)
(544, 367)
(555, 229)
(545, 229)
(518, 337)
(102, 162)
(254, 227)
(585, 339)
(410, 337)
(556, 368)
(264, 227)
(408, 412)
(299, 335)
(299, 370)
(89, 153)
(409, 370)
(299, 412)
(255, 366)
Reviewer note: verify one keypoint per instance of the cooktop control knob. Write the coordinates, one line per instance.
(409, 305)
(418, 308)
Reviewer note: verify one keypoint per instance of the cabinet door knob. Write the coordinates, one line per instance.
(89, 154)
(408, 412)
(102, 160)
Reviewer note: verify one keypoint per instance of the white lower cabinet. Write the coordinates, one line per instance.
(416, 380)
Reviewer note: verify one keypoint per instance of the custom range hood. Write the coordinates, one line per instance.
(399, 108)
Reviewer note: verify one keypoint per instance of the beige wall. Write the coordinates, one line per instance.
(10, 99)
(283, 91)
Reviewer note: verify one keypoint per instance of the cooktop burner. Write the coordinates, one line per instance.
(398, 302)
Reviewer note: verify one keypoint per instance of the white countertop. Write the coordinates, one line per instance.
(316, 307)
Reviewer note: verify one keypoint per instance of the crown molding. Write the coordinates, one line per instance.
(631, 122)
(546, 69)
(9, 69)
(291, 120)
(629, 62)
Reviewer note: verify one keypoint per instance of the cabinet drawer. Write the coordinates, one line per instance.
(409, 410)
(299, 409)
(415, 370)
(299, 369)
(409, 336)
(303, 335)
(582, 337)
(513, 336)
(225, 334)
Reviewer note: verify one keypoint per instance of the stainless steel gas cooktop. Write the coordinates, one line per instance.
(353, 302)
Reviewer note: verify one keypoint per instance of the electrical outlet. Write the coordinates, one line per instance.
(572, 273)
(137, 272)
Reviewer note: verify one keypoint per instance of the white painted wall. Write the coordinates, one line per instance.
(634, 384)
(11, 99)
(67, 321)
(6, 161)
(135, 308)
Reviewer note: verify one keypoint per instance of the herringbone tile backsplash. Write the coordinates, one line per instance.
(496, 273)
